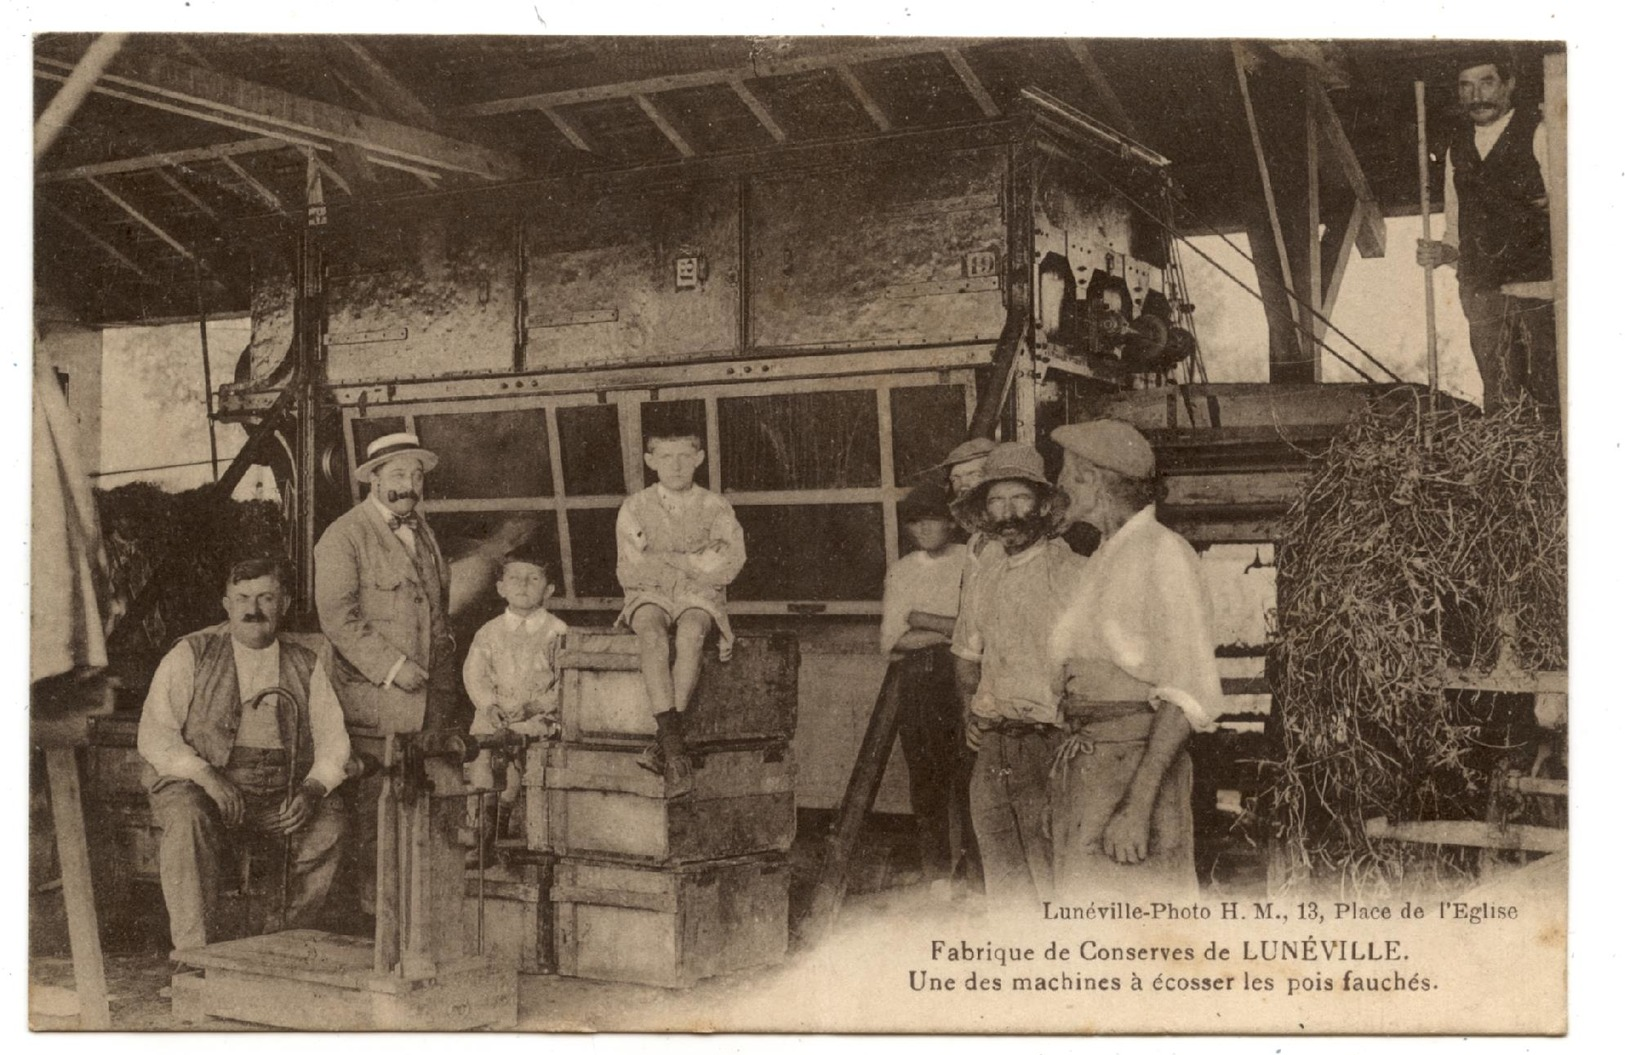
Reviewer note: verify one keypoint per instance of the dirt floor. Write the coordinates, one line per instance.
(887, 907)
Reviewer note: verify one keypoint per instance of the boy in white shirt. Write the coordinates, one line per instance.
(678, 546)
(511, 676)
(916, 626)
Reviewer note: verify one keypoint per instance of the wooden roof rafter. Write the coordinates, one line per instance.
(221, 99)
(834, 59)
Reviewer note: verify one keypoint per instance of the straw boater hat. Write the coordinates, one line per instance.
(1114, 445)
(1011, 461)
(396, 445)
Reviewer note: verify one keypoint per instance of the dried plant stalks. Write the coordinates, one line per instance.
(1426, 541)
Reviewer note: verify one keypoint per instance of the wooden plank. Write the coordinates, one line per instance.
(972, 83)
(861, 92)
(1312, 310)
(1372, 231)
(73, 852)
(395, 98)
(764, 68)
(163, 235)
(1102, 87)
(1537, 786)
(1270, 208)
(265, 193)
(647, 105)
(859, 798)
(1234, 489)
(185, 192)
(94, 238)
(1556, 69)
(758, 108)
(66, 102)
(169, 158)
(1471, 833)
(229, 100)
(1540, 681)
(1338, 246)
(567, 129)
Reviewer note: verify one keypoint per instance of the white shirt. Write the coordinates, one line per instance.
(169, 700)
(1142, 609)
(920, 582)
(408, 537)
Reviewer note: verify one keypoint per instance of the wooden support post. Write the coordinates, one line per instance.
(73, 848)
(1309, 290)
(861, 788)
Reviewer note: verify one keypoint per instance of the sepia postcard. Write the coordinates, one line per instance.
(796, 526)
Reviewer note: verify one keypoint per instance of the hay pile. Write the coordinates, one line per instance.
(184, 543)
(1423, 542)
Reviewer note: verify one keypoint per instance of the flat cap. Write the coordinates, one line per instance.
(1114, 445)
(979, 447)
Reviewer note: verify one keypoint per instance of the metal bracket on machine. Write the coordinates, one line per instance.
(398, 333)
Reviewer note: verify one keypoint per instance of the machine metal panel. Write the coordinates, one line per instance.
(895, 253)
(421, 295)
(632, 276)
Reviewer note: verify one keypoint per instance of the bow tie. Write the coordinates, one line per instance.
(410, 520)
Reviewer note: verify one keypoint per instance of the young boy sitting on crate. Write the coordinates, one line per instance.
(511, 677)
(678, 546)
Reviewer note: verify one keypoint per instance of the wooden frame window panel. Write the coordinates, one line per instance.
(814, 469)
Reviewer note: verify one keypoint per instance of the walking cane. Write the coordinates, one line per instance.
(282, 695)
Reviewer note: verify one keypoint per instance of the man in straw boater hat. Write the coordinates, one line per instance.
(382, 588)
(1013, 720)
(1133, 650)
(382, 592)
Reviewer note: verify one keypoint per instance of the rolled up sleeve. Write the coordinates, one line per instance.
(329, 739)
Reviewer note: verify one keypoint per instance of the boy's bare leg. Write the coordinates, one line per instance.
(692, 626)
(653, 627)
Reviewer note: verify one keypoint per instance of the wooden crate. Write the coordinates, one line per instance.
(671, 926)
(589, 799)
(519, 912)
(751, 697)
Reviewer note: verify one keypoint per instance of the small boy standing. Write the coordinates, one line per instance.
(678, 546)
(511, 677)
(916, 625)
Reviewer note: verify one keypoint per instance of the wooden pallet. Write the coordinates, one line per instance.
(309, 980)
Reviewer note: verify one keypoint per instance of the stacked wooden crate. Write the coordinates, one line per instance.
(658, 884)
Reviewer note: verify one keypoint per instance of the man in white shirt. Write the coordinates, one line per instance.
(219, 747)
(1498, 234)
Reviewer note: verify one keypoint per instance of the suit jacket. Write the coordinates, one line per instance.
(374, 609)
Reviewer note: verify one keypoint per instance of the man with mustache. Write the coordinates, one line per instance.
(381, 595)
(1013, 721)
(216, 769)
(382, 592)
(1497, 233)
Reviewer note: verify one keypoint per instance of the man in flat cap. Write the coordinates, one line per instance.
(1014, 717)
(382, 592)
(1133, 656)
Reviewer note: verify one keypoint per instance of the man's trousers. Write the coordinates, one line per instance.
(194, 836)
